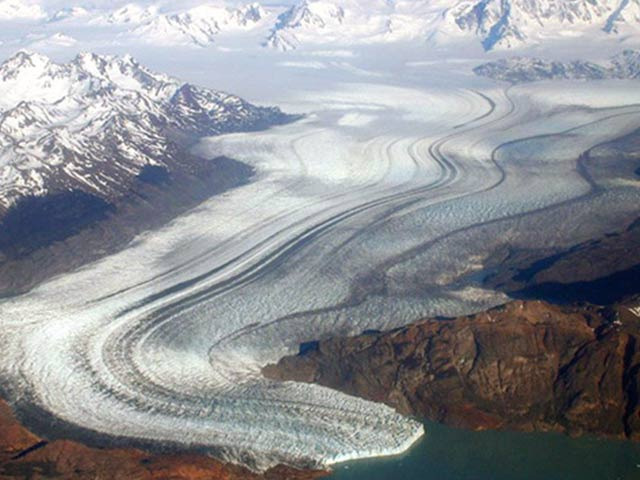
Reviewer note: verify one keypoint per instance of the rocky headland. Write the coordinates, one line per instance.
(527, 365)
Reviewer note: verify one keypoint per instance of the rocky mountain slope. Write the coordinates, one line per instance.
(526, 365)
(509, 23)
(526, 69)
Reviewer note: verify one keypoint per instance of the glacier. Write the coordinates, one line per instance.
(374, 210)
(382, 205)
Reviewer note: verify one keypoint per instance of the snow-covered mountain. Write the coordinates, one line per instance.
(68, 13)
(131, 13)
(525, 69)
(510, 23)
(55, 40)
(625, 15)
(306, 18)
(352, 22)
(94, 123)
(198, 25)
(493, 24)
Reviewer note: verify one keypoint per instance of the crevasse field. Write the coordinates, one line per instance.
(378, 208)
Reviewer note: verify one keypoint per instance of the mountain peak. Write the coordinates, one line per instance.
(132, 13)
(494, 24)
(23, 61)
(25, 56)
(68, 13)
(316, 13)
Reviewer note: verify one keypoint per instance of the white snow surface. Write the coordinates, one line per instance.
(20, 10)
(199, 25)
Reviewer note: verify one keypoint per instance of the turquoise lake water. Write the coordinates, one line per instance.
(452, 454)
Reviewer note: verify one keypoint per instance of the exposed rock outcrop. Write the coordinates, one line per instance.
(600, 271)
(525, 365)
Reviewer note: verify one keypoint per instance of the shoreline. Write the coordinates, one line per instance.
(449, 453)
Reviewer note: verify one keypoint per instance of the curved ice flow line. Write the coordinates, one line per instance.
(278, 218)
(357, 191)
(353, 192)
(134, 340)
(240, 336)
(213, 389)
(388, 194)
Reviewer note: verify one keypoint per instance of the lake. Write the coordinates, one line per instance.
(452, 454)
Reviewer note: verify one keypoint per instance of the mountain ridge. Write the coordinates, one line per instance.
(95, 151)
(492, 24)
(93, 123)
(624, 66)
